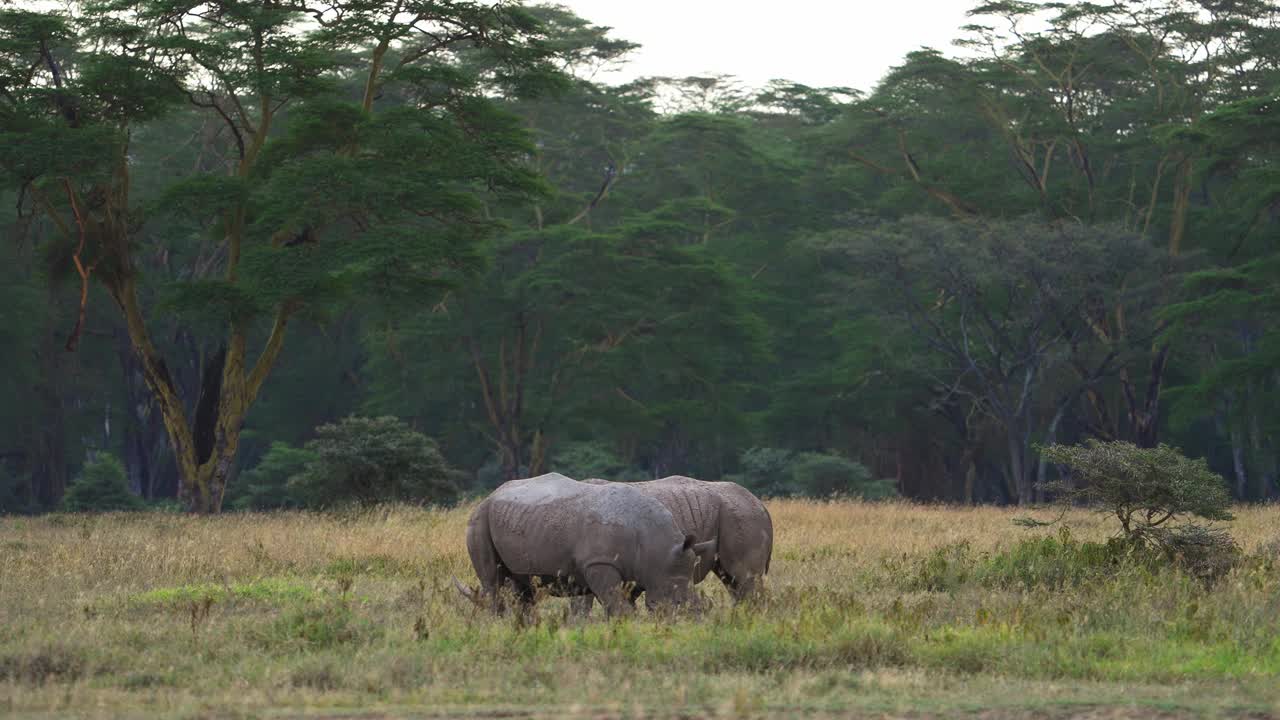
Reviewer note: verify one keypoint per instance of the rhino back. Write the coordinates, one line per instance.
(694, 505)
(549, 525)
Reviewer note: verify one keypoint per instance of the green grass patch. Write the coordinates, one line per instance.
(273, 591)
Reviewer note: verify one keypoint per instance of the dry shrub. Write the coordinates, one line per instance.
(51, 663)
(1206, 554)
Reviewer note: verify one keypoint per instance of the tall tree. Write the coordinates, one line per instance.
(323, 198)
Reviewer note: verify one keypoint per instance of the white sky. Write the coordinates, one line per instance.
(850, 43)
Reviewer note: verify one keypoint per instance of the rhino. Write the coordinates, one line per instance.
(571, 538)
(724, 512)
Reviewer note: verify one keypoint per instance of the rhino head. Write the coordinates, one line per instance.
(672, 584)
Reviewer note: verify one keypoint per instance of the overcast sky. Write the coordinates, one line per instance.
(815, 42)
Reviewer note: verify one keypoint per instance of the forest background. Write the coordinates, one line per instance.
(224, 241)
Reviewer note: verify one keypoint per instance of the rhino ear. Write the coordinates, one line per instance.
(689, 541)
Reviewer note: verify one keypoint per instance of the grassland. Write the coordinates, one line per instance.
(871, 610)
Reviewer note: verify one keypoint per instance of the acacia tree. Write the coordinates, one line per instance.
(1004, 308)
(324, 198)
(1075, 111)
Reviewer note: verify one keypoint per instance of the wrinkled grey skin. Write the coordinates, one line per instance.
(575, 538)
(722, 511)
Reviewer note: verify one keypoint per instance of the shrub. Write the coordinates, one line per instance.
(1203, 552)
(824, 475)
(53, 662)
(266, 486)
(1058, 562)
(369, 460)
(772, 472)
(766, 472)
(102, 486)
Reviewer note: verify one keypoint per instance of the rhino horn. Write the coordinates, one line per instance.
(465, 591)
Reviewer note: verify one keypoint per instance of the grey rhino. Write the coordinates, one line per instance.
(576, 538)
(724, 512)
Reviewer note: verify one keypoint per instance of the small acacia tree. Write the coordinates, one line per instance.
(320, 195)
(1145, 488)
(1156, 494)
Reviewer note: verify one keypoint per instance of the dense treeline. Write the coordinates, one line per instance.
(249, 222)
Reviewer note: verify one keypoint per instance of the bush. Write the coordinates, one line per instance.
(101, 487)
(766, 472)
(824, 475)
(370, 460)
(1058, 562)
(266, 486)
(773, 472)
(1204, 553)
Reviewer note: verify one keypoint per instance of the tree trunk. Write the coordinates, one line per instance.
(205, 450)
(1051, 438)
(1237, 460)
(1017, 469)
(970, 477)
(48, 463)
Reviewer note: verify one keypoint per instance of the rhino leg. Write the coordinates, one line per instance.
(606, 585)
(484, 559)
(581, 605)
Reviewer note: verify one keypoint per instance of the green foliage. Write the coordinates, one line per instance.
(1144, 488)
(371, 460)
(581, 460)
(266, 486)
(102, 486)
(774, 472)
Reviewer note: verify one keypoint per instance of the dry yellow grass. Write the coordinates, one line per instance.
(176, 615)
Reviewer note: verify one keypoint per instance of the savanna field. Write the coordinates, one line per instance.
(871, 610)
